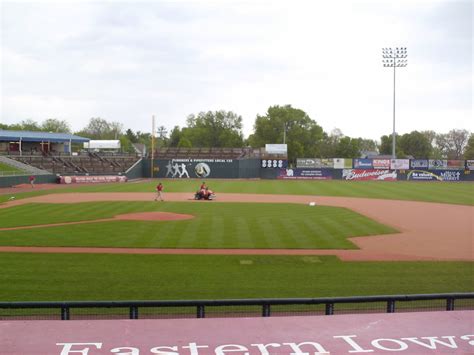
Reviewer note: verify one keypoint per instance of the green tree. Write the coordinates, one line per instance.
(175, 137)
(453, 143)
(302, 134)
(132, 137)
(386, 146)
(184, 143)
(469, 150)
(348, 147)
(415, 144)
(99, 128)
(55, 125)
(214, 129)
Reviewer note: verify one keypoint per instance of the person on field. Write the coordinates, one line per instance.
(32, 179)
(159, 192)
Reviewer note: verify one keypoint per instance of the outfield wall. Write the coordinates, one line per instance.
(334, 169)
(202, 168)
(9, 181)
(375, 174)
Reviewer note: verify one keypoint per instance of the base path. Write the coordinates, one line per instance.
(428, 231)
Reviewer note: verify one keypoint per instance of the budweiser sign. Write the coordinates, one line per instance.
(372, 174)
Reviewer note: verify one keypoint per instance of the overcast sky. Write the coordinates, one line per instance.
(125, 61)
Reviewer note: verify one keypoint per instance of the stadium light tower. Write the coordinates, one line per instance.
(394, 58)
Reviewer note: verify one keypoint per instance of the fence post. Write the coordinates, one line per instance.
(133, 312)
(329, 309)
(265, 310)
(64, 313)
(391, 306)
(450, 304)
(201, 313)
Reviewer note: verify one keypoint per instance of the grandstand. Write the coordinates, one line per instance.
(88, 163)
(52, 152)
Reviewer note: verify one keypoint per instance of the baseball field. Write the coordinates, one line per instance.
(259, 238)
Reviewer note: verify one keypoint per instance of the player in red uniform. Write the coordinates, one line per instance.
(159, 192)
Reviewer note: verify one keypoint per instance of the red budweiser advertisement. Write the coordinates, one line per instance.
(369, 174)
(91, 179)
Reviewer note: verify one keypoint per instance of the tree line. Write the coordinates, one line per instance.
(305, 138)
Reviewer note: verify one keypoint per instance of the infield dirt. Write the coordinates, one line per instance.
(428, 231)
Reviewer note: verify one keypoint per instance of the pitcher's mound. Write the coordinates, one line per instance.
(153, 216)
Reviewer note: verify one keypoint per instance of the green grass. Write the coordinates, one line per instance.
(455, 193)
(216, 225)
(8, 169)
(43, 277)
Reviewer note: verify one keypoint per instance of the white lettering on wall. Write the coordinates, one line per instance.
(401, 346)
(356, 347)
(67, 348)
(433, 341)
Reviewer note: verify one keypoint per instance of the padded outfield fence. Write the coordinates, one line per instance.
(234, 308)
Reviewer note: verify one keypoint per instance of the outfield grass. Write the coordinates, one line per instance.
(445, 192)
(216, 225)
(42, 277)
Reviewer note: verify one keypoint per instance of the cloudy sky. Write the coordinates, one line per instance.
(125, 61)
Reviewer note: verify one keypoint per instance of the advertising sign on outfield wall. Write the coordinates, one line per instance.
(276, 148)
(455, 165)
(437, 164)
(470, 164)
(363, 163)
(435, 175)
(327, 163)
(274, 163)
(381, 163)
(308, 163)
(399, 164)
(419, 164)
(342, 163)
(369, 174)
(305, 174)
(91, 179)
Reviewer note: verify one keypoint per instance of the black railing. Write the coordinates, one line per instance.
(264, 307)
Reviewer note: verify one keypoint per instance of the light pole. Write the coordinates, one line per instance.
(394, 58)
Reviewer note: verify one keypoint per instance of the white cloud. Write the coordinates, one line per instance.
(126, 61)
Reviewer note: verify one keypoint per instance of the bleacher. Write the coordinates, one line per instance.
(207, 153)
(91, 163)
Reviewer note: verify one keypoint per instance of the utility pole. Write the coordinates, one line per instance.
(394, 58)
(152, 143)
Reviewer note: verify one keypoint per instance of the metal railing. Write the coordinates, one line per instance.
(264, 307)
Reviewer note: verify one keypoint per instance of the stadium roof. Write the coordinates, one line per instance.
(30, 136)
